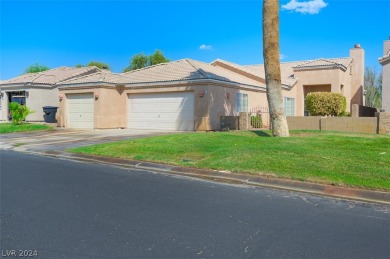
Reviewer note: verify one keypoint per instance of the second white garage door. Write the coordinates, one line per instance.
(167, 111)
(80, 111)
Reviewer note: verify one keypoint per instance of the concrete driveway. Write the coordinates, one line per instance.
(61, 139)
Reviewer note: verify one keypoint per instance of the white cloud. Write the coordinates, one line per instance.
(282, 56)
(205, 47)
(310, 7)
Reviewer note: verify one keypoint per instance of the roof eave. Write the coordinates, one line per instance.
(384, 60)
(87, 84)
(2, 85)
(339, 66)
(205, 80)
(161, 83)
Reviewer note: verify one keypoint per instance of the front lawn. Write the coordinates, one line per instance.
(356, 160)
(11, 128)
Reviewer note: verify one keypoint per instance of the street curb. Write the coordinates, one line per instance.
(227, 177)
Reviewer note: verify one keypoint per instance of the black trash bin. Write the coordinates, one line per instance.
(50, 114)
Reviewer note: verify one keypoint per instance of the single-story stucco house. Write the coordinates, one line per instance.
(37, 89)
(385, 62)
(192, 95)
(179, 95)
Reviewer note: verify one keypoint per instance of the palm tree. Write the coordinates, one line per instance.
(272, 67)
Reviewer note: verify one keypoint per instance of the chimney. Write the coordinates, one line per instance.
(357, 74)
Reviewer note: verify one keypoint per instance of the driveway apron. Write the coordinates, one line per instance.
(62, 139)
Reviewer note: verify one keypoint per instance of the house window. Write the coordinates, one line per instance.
(242, 102)
(289, 106)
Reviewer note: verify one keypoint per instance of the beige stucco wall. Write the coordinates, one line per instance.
(109, 107)
(386, 87)
(37, 98)
(357, 75)
(110, 110)
(3, 108)
(325, 80)
(217, 101)
(346, 124)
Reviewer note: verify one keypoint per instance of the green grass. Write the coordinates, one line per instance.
(10, 128)
(356, 160)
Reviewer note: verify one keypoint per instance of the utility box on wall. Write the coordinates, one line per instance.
(229, 123)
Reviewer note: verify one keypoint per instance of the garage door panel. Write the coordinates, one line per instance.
(80, 111)
(167, 111)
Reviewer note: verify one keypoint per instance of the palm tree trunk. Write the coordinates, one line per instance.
(272, 67)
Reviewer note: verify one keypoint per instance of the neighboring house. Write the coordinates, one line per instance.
(385, 62)
(37, 89)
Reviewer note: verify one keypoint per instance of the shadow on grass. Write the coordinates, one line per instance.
(261, 133)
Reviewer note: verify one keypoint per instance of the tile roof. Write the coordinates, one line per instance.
(258, 70)
(49, 77)
(322, 62)
(175, 71)
(101, 76)
(287, 68)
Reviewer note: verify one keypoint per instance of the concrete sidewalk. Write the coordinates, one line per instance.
(247, 179)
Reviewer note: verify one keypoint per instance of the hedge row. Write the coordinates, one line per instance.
(325, 103)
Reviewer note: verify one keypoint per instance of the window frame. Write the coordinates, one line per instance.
(242, 102)
(289, 101)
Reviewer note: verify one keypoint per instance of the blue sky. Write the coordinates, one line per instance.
(66, 33)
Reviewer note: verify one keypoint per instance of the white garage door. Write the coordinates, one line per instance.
(166, 111)
(80, 111)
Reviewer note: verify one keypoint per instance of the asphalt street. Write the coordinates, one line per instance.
(66, 209)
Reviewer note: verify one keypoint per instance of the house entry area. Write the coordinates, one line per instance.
(161, 111)
(314, 88)
(18, 97)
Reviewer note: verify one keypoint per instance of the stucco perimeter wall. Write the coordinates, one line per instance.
(362, 111)
(383, 122)
(304, 123)
(346, 124)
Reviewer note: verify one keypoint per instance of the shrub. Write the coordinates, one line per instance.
(325, 103)
(256, 121)
(18, 112)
